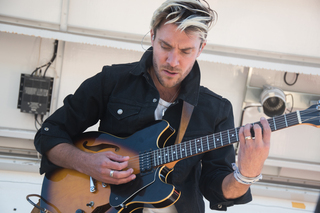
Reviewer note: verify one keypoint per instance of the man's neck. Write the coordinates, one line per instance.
(168, 94)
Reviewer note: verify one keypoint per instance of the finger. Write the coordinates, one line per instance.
(247, 131)
(120, 177)
(257, 132)
(241, 135)
(117, 158)
(116, 165)
(266, 130)
(122, 174)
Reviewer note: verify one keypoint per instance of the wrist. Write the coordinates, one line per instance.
(243, 179)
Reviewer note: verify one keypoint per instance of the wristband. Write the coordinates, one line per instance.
(242, 179)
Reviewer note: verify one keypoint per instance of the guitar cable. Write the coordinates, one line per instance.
(35, 205)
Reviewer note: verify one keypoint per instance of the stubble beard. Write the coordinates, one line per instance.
(161, 79)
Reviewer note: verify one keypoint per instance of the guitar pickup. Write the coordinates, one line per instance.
(145, 161)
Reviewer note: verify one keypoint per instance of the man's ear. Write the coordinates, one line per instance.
(201, 47)
(152, 36)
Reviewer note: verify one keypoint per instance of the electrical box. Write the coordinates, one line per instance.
(35, 94)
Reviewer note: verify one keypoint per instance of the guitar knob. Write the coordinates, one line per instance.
(80, 211)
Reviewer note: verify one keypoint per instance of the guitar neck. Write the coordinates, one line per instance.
(217, 140)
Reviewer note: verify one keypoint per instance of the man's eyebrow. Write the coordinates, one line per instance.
(183, 49)
(167, 44)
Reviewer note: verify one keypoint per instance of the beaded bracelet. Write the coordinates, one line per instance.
(242, 179)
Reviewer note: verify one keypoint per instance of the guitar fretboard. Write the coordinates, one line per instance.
(203, 144)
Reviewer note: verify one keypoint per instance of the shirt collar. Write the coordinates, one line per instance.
(190, 87)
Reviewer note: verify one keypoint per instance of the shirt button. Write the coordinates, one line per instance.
(155, 100)
(120, 111)
(219, 206)
(46, 129)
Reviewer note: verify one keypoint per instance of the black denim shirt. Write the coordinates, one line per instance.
(130, 89)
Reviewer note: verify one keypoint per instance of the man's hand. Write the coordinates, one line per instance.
(253, 151)
(101, 164)
(252, 154)
(97, 165)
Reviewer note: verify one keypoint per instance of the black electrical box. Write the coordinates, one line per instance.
(35, 94)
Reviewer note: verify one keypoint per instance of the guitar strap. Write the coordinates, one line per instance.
(185, 118)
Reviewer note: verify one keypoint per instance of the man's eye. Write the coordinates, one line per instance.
(186, 52)
(165, 47)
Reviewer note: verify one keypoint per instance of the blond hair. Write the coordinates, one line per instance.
(188, 15)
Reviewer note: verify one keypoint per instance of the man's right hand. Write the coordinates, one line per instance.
(97, 165)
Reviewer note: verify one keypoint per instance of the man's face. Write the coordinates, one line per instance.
(174, 54)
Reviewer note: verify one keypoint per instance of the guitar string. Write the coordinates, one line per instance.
(193, 149)
(198, 143)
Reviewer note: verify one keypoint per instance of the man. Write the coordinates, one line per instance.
(129, 97)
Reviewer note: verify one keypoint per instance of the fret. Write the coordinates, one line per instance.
(196, 146)
(164, 156)
(190, 148)
(280, 121)
(185, 149)
(293, 120)
(182, 149)
(151, 159)
(236, 133)
(154, 158)
(285, 118)
(228, 136)
(176, 152)
(197, 149)
(214, 141)
(221, 139)
(172, 153)
(299, 117)
(160, 158)
(233, 136)
(208, 142)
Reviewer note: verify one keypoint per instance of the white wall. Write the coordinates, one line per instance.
(287, 26)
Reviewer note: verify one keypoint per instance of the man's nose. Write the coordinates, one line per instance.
(173, 59)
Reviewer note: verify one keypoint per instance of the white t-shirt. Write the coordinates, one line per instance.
(161, 108)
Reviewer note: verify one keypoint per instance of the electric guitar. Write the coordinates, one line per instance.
(66, 190)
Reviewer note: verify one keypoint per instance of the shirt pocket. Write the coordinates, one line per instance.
(122, 118)
(123, 110)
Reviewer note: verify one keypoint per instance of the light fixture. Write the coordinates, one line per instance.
(273, 101)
